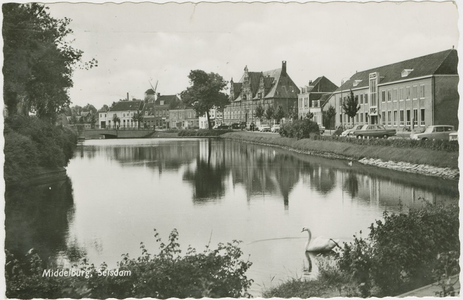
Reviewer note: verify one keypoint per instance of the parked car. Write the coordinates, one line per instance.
(350, 132)
(435, 132)
(276, 128)
(264, 128)
(223, 126)
(453, 136)
(374, 131)
(322, 128)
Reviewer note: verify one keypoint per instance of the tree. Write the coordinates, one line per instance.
(89, 108)
(93, 120)
(269, 113)
(309, 115)
(38, 61)
(138, 117)
(279, 114)
(259, 112)
(104, 108)
(205, 93)
(116, 120)
(328, 116)
(351, 106)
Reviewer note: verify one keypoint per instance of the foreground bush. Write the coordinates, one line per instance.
(203, 132)
(402, 252)
(32, 144)
(300, 129)
(212, 273)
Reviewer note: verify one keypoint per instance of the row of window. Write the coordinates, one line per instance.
(305, 103)
(403, 93)
(395, 118)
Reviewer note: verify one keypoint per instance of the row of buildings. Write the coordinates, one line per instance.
(417, 92)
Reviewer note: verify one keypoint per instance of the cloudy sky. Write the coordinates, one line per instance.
(135, 43)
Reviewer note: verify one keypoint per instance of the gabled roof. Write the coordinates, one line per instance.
(444, 62)
(324, 99)
(127, 105)
(323, 84)
(277, 84)
(237, 89)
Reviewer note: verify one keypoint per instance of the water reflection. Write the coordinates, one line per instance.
(38, 216)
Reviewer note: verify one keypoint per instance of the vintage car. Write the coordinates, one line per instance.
(276, 128)
(435, 132)
(350, 132)
(322, 128)
(264, 128)
(374, 131)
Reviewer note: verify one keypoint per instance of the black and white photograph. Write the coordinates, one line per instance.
(231, 149)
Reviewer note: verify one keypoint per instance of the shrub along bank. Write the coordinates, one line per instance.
(33, 146)
(402, 252)
(213, 273)
(355, 150)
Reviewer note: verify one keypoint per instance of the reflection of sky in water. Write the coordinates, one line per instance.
(225, 190)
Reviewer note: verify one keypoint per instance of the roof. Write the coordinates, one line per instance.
(149, 92)
(444, 62)
(167, 99)
(127, 105)
(276, 84)
(325, 98)
(323, 84)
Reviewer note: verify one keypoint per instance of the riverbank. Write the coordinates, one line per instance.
(414, 160)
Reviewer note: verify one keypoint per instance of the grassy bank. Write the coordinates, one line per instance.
(353, 151)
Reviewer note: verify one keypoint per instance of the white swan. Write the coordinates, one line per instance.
(319, 244)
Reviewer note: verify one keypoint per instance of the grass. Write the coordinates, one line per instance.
(353, 151)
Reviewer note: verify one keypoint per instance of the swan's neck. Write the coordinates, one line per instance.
(310, 237)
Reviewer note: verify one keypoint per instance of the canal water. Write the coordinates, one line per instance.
(211, 191)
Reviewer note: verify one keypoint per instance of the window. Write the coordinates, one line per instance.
(389, 118)
(415, 116)
(394, 95)
(402, 117)
(361, 118)
(389, 96)
(395, 117)
(357, 118)
(414, 92)
(361, 99)
(383, 96)
(408, 117)
(401, 94)
(340, 117)
(422, 116)
(383, 117)
(407, 93)
(366, 98)
(422, 91)
(366, 117)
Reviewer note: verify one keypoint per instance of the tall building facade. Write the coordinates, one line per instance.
(270, 89)
(410, 94)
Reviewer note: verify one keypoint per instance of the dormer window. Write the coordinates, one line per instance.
(356, 82)
(406, 72)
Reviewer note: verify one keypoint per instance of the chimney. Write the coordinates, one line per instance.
(128, 96)
(283, 67)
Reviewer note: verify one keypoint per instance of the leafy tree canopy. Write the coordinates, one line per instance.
(351, 105)
(279, 113)
(259, 112)
(205, 92)
(38, 60)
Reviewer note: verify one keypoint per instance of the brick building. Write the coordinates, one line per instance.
(270, 89)
(414, 93)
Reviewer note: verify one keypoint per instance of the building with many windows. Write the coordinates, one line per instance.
(312, 97)
(125, 111)
(270, 89)
(156, 111)
(410, 94)
(183, 118)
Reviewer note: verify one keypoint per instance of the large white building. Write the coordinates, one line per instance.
(125, 111)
